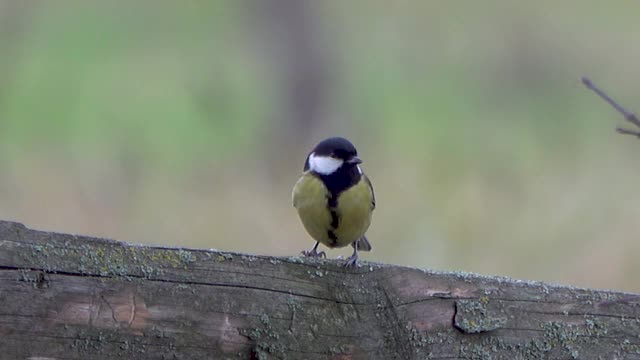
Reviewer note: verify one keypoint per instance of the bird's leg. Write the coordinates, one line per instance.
(353, 259)
(314, 252)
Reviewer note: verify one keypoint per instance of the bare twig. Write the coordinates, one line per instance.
(629, 116)
(628, 132)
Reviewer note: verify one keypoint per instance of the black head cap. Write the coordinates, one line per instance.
(337, 147)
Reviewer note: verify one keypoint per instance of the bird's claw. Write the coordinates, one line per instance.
(352, 261)
(314, 253)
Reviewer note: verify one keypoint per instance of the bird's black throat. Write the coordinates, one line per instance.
(339, 181)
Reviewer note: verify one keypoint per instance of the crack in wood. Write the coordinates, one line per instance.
(113, 313)
(189, 282)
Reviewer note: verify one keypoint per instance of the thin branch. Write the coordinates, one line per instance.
(628, 132)
(629, 116)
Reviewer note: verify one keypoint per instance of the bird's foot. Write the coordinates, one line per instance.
(314, 253)
(352, 261)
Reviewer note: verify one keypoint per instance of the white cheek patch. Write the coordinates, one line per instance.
(324, 165)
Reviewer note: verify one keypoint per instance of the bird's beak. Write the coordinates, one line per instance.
(354, 160)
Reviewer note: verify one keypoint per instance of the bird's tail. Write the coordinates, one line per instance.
(363, 244)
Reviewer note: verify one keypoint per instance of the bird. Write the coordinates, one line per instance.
(334, 198)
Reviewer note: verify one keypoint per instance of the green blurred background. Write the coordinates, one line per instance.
(186, 123)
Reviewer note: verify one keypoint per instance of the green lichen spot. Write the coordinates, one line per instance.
(472, 316)
(267, 340)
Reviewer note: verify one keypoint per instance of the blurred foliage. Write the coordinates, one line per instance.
(169, 123)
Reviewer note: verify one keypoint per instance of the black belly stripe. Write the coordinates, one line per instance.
(334, 219)
(332, 201)
(332, 236)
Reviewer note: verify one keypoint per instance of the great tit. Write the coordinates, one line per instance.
(334, 198)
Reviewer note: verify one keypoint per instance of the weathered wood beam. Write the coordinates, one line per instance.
(73, 297)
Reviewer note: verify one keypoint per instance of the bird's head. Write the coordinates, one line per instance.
(331, 155)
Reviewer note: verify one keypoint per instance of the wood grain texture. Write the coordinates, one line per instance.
(73, 297)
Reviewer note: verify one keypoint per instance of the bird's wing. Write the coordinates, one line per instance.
(310, 199)
(304, 190)
(373, 195)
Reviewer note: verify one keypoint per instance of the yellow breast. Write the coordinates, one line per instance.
(354, 209)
